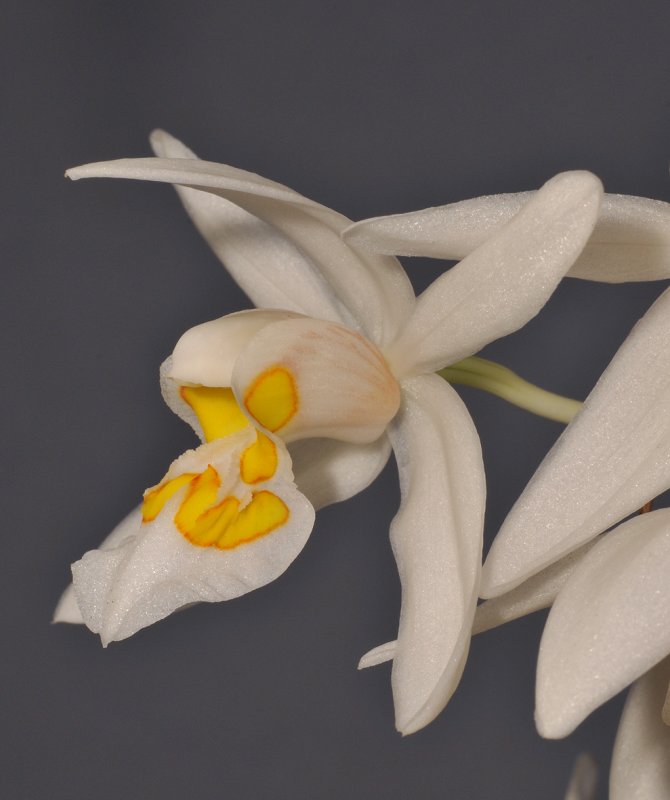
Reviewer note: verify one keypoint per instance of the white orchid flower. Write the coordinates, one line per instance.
(610, 622)
(339, 368)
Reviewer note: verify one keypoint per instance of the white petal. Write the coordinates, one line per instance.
(609, 461)
(340, 384)
(608, 625)
(437, 541)
(272, 271)
(451, 231)
(534, 594)
(641, 761)
(67, 609)
(327, 471)
(505, 282)
(373, 289)
(630, 242)
(583, 780)
(157, 570)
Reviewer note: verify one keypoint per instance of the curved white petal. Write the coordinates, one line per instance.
(641, 760)
(157, 570)
(272, 271)
(609, 624)
(327, 471)
(437, 542)
(505, 282)
(67, 609)
(536, 593)
(305, 378)
(583, 780)
(608, 462)
(373, 289)
(630, 242)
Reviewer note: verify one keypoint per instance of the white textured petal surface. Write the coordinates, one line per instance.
(504, 282)
(583, 780)
(327, 471)
(437, 542)
(374, 289)
(343, 386)
(157, 570)
(630, 242)
(612, 458)
(67, 609)
(534, 594)
(641, 760)
(609, 624)
(272, 271)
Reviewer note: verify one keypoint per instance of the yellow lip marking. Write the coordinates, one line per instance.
(259, 461)
(200, 496)
(272, 398)
(216, 409)
(223, 525)
(156, 498)
(261, 516)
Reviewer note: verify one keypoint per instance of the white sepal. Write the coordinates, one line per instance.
(610, 460)
(630, 242)
(608, 625)
(157, 570)
(505, 282)
(373, 289)
(437, 542)
(327, 471)
(344, 389)
(641, 760)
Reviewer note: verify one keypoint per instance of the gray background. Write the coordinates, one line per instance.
(370, 108)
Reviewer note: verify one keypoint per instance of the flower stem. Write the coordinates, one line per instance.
(502, 382)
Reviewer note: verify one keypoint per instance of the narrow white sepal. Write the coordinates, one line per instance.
(641, 759)
(374, 289)
(437, 542)
(378, 655)
(269, 268)
(610, 460)
(608, 625)
(583, 780)
(505, 282)
(630, 242)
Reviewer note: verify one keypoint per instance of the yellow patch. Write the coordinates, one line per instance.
(156, 498)
(216, 409)
(272, 398)
(223, 525)
(200, 496)
(259, 461)
(265, 513)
